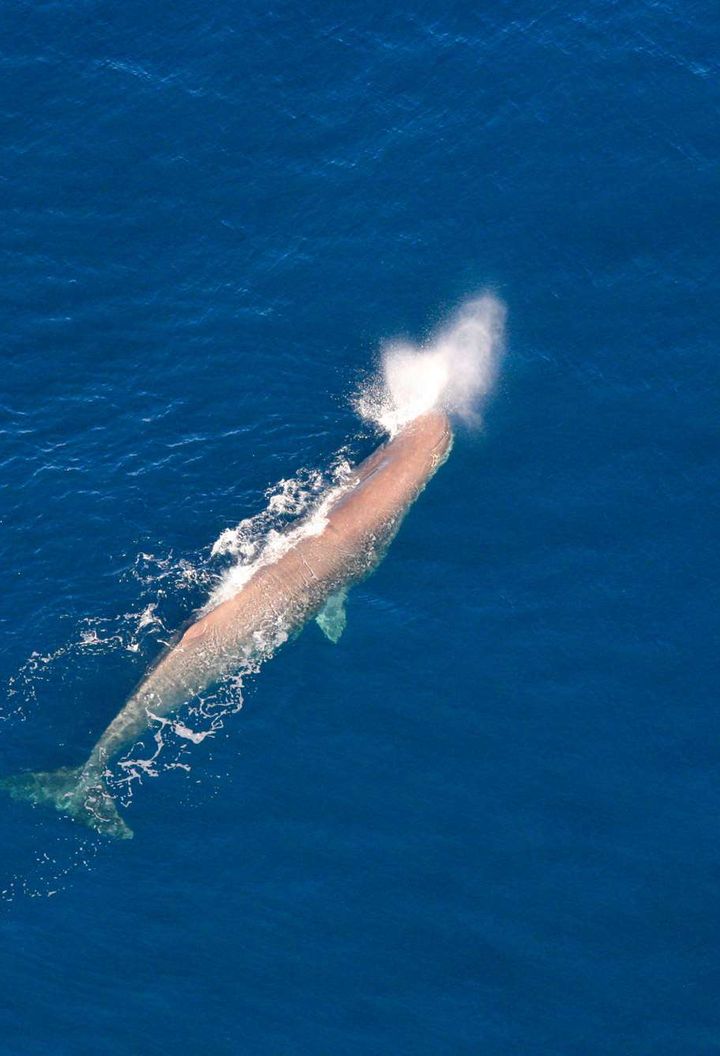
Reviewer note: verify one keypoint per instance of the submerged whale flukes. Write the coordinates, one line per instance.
(72, 791)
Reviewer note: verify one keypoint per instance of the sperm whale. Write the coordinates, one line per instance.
(309, 580)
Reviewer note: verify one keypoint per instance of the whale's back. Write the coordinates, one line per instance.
(282, 595)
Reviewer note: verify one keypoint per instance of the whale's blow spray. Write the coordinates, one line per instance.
(455, 369)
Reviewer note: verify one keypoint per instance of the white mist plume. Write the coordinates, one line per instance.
(454, 370)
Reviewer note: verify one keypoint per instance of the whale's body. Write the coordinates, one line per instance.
(276, 602)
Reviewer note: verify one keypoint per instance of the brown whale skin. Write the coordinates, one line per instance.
(282, 596)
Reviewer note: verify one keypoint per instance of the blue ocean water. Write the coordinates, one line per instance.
(485, 821)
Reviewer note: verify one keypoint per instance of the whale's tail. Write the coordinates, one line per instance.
(75, 791)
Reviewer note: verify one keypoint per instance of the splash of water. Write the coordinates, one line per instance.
(454, 370)
(296, 508)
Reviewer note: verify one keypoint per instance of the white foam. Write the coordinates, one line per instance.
(455, 370)
(263, 539)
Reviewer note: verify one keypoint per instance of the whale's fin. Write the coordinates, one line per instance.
(73, 791)
(332, 618)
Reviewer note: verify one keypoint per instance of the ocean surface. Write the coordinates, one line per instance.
(486, 821)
